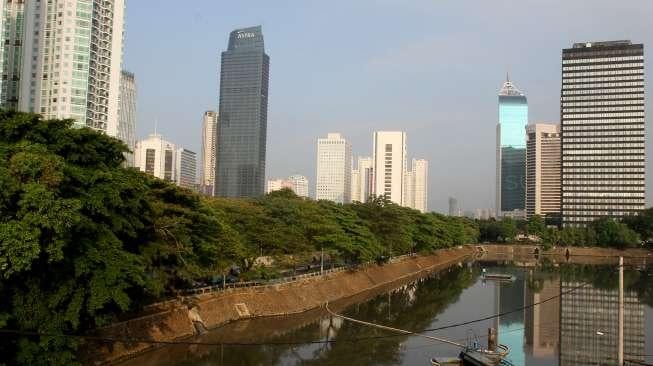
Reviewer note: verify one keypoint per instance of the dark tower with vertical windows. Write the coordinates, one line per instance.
(242, 131)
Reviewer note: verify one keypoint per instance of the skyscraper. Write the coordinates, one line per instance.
(511, 150)
(242, 128)
(408, 193)
(333, 169)
(72, 58)
(186, 168)
(209, 139)
(420, 184)
(362, 180)
(603, 137)
(542, 169)
(454, 210)
(157, 157)
(12, 32)
(127, 114)
(389, 165)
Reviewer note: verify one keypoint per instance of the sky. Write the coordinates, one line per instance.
(431, 68)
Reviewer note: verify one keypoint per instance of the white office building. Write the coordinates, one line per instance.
(72, 58)
(419, 184)
(390, 165)
(186, 168)
(157, 157)
(296, 183)
(333, 169)
(542, 169)
(209, 141)
(362, 180)
(299, 185)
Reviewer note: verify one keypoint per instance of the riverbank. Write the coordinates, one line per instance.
(183, 318)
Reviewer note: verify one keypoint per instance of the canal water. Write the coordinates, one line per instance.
(549, 315)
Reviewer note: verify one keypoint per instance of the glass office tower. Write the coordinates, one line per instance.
(511, 150)
(242, 131)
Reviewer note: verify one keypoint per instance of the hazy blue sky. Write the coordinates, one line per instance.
(431, 68)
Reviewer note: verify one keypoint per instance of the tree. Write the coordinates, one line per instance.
(83, 240)
(536, 226)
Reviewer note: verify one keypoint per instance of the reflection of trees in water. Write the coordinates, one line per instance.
(412, 307)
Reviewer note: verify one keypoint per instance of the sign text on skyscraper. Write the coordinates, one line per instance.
(245, 35)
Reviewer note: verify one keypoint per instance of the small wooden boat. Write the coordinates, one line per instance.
(446, 361)
(498, 277)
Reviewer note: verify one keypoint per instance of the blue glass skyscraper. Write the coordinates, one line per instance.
(511, 150)
(242, 121)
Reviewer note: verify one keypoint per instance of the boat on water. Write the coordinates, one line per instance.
(498, 277)
(476, 356)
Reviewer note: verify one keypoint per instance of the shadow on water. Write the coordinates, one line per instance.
(546, 334)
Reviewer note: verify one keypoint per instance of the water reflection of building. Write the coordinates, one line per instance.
(508, 297)
(542, 322)
(589, 325)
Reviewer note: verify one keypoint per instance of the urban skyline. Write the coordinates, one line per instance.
(425, 102)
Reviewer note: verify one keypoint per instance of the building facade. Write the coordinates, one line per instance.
(209, 140)
(12, 33)
(603, 131)
(511, 151)
(296, 183)
(299, 185)
(389, 165)
(362, 180)
(72, 58)
(542, 170)
(454, 210)
(333, 169)
(242, 128)
(186, 168)
(127, 114)
(157, 157)
(420, 186)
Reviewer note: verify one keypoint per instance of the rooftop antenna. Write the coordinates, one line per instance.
(507, 77)
(156, 122)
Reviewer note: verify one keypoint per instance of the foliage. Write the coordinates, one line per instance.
(84, 240)
(603, 232)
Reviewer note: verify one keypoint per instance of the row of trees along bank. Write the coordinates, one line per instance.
(84, 241)
(629, 232)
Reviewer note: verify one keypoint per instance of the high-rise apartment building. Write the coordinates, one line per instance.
(157, 157)
(542, 169)
(186, 168)
(127, 114)
(389, 165)
(420, 174)
(333, 169)
(209, 140)
(242, 129)
(603, 134)
(362, 180)
(72, 56)
(511, 151)
(12, 33)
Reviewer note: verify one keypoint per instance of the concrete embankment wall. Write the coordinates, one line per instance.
(524, 254)
(174, 322)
